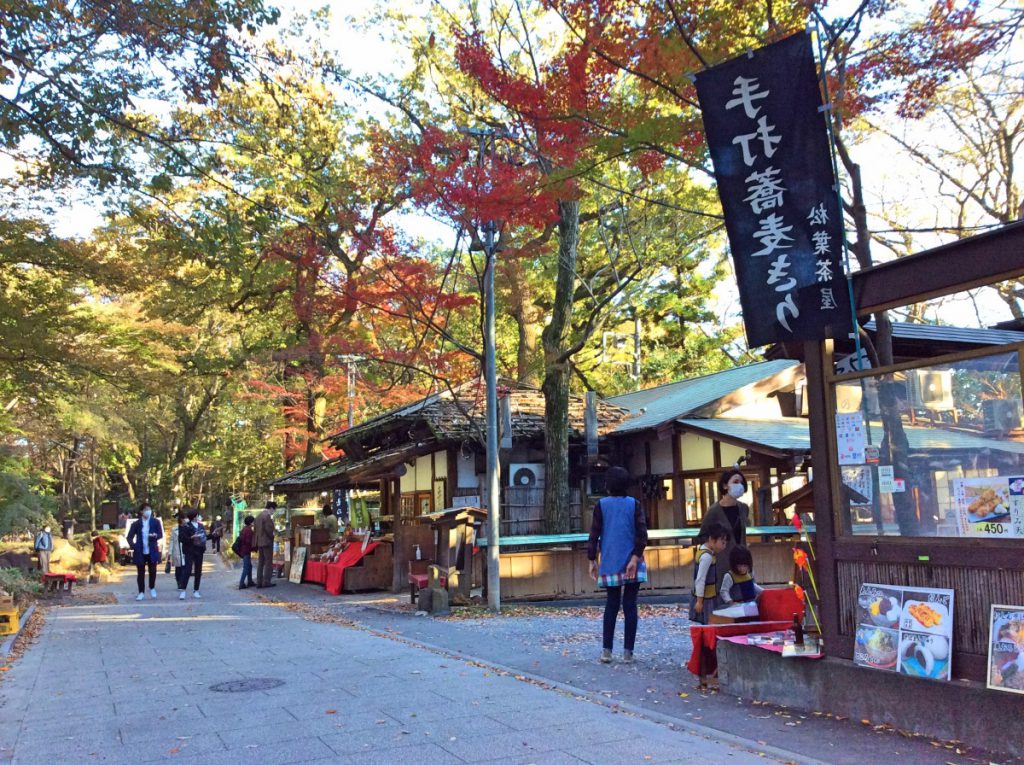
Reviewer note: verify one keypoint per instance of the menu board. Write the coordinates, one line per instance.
(298, 564)
(991, 507)
(905, 629)
(1006, 649)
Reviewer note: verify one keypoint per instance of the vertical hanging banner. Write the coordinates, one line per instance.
(769, 144)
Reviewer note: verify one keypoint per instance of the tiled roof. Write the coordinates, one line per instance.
(791, 434)
(940, 333)
(664, 403)
(461, 417)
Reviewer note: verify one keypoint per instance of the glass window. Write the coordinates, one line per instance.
(933, 451)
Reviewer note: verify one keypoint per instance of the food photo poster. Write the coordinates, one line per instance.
(991, 507)
(905, 629)
(1006, 649)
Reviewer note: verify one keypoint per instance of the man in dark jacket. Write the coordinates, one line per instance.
(143, 537)
(263, 537)
(245, 548)
(216, 532)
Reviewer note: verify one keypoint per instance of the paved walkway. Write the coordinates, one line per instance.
(561, 645)
(136, 682)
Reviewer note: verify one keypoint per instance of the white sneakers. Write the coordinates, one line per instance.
(141, 596)
(181, 596)
(196, 594)
(152, 593)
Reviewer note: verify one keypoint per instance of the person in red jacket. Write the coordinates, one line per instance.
(245, 547)
(100, 551)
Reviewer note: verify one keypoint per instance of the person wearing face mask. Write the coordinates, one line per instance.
(192, 538)
(143, 538)
(729, 512)
(43, 548)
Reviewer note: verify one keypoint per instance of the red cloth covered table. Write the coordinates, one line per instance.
(706, 639)
(316, 572)
(350, 556)
(776, 608)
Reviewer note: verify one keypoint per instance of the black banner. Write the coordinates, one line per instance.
(770, 148)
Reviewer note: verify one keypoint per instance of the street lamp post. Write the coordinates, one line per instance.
(351, 360)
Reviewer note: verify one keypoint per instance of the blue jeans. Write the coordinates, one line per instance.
(246, 579)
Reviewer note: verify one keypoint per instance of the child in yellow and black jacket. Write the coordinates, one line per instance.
(705, 573)
(739, 585)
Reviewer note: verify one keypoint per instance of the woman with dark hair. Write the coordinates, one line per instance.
(729, 512)
(192, 537)
(619, 530)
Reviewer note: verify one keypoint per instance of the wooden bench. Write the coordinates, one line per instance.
(418, 578)
(54, 582)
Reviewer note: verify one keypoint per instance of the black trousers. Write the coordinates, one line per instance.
(627, 601)
(141, 575)
(193, 567)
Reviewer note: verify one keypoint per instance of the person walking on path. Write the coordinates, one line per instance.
(43, 548)
(192, 538)
(175, 555)
(243, 549)
(263, 537)
(100, 551)
(142, 538)
(619, 529)
(729, 512)
(216, 532)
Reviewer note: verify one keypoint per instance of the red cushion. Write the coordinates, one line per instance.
(779, 605)
(420, 580)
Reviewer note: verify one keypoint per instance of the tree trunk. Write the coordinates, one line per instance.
(556, 374)
(528, 321)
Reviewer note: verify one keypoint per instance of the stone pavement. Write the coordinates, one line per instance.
(136, 682)
(560, 644)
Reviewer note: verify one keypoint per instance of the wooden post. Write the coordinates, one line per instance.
(818, 360)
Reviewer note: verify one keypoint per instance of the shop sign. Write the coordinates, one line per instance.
(769, 144)
(905, 629)
(298, 564)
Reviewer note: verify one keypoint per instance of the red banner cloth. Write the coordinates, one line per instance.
(776, 606)
(350, 556)
(316, 572)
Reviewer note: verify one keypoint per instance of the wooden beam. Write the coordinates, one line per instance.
(978, 261)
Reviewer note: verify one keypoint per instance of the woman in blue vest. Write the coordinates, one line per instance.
(619, 530)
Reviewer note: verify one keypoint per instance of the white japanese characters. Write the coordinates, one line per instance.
(765, 191)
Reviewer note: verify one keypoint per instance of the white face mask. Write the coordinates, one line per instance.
(737, 490)
(147, 513)
(47, 529)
